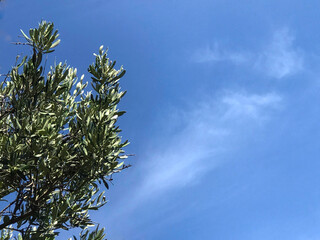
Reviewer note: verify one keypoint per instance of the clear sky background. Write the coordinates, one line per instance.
(223, 111)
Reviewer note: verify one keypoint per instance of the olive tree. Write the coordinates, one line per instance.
(59, 142)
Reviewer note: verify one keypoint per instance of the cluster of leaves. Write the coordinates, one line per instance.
(57, 143)
(97, 234)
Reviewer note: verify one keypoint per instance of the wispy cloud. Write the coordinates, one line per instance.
(197, 147)
(216, 54)
(206, 135)
(250, 105)
(279, 58)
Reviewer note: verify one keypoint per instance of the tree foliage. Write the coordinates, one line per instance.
(58, 143)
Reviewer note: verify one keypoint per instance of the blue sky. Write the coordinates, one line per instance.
(223, 111)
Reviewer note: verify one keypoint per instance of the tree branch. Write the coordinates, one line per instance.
(16, 219)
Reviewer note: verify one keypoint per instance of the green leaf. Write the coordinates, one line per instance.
(56, 43)
(25, 36)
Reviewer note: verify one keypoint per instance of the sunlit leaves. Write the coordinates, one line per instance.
(43, 38)
(97, 234)
(58, 142)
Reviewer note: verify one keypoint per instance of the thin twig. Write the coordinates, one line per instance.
(21, 43)
(5, 79)
(7, 207)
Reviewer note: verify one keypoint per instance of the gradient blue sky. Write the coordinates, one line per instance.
(223, 111)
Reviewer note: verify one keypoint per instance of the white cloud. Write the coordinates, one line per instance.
(206, 135)
(250, 105)
(279, 58)
(216, 54)
(197, 148)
